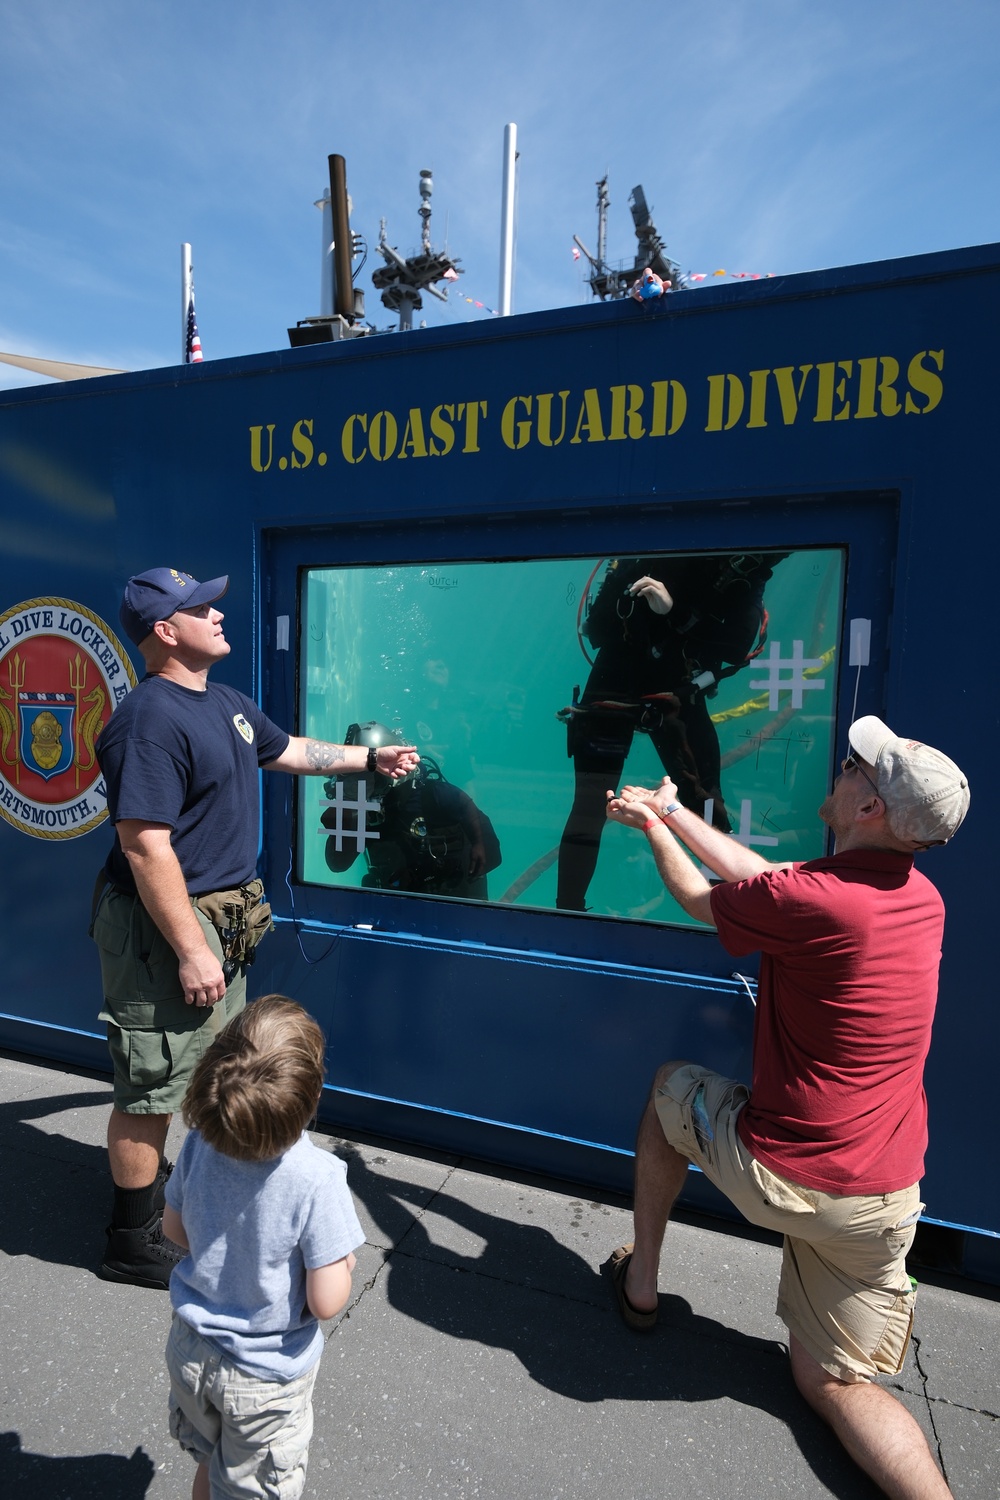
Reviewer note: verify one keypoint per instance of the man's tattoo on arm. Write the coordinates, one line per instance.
(322, 756)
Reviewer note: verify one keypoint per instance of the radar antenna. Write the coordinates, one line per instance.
(401, 281)
(611, 281)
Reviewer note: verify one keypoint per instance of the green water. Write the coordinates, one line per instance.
(471, 663)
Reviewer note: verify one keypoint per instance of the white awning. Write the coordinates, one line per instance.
(58, 369)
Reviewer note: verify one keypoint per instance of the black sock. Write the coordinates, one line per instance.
(134, 1207)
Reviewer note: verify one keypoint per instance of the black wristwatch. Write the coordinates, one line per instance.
(371, 764)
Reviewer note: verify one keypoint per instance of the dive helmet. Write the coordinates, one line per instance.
(374, 735)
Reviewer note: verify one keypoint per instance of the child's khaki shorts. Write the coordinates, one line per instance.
(253, 1434)
(844, 1292)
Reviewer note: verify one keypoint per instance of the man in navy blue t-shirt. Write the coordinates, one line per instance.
(180, 758)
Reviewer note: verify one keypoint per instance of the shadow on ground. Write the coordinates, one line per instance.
(533, 1309)
(524, 1291)
(105, 1476)
(57, 1192)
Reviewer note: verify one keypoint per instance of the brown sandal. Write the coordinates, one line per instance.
(616, 1267)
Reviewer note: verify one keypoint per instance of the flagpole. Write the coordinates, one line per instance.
(507, 219)
(187, 284)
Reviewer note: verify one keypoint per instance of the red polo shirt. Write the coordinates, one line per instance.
(850, 950)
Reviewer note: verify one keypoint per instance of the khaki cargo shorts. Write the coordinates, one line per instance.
(844, 1292)
(155, 1039)
(253, 1434)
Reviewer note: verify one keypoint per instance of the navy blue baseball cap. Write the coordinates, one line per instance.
(156, 595)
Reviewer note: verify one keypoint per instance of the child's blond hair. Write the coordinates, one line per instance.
(259, 1083)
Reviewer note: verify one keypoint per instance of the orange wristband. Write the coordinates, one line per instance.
(651, 823)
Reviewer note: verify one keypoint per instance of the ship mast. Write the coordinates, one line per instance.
(403, 280)
(609, 281)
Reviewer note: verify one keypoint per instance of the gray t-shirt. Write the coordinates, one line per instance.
(254, 1229)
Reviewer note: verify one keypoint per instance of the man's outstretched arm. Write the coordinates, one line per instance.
(305, 757)
(683, 880)
(723, 854)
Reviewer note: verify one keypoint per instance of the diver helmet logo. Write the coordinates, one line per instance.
(245, 729)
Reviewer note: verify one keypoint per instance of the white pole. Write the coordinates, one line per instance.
(507, 219)
(187, 283)
(326, 257)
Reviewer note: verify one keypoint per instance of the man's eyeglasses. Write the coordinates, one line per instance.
(851, 763)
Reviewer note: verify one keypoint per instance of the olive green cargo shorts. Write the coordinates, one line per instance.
(844, 1292)
(155, 1039)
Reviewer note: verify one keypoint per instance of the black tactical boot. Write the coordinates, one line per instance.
(140, 1257)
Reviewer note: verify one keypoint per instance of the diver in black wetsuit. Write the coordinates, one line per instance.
(667, 629)
(432, 838)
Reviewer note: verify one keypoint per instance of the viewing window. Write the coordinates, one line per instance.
(531, 688)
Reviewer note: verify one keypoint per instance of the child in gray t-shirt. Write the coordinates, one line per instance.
(270, 1231)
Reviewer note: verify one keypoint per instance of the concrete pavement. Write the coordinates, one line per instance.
(479, 1355)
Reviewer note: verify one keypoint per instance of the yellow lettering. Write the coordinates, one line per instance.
(889, 402)
(789, 394)
(718, 419)
(830, 388)
(867, 376)
(545, 420)
(867, 387)
(669, 399)
(758, 398)
(471, 411)
(347, 437)
(516, 434)
(413, 444)
(382, 435)
(924, 381)
(256, 446)
(590, 408)
(620, 412)
(442, 429)
(302, 444)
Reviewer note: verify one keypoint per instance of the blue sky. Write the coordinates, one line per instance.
(778, 135)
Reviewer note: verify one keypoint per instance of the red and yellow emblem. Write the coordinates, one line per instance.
(62, 672)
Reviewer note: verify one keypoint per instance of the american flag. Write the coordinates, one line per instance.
(192, 347)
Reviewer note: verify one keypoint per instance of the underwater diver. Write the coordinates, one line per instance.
(432, 838)
(667, 631)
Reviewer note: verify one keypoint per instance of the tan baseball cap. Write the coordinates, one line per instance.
(926, 796)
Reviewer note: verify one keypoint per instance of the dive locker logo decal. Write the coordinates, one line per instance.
(62, 672)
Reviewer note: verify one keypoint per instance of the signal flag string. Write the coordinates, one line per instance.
(687, 276)
(736, 275)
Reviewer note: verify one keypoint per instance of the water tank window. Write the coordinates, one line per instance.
(530, 688)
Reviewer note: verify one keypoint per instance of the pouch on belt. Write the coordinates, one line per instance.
(241, 917)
